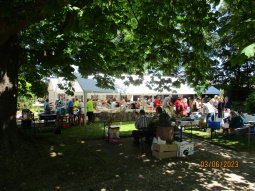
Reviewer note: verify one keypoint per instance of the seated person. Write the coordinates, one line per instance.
(142, 125)
(155, 120)
(161, 119)
(236, 121)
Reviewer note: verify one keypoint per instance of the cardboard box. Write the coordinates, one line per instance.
(185, 149)
(163, 148)
(163, 155)
(165, 133)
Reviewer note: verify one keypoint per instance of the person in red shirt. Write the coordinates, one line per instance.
(157, 102)
(179, 106)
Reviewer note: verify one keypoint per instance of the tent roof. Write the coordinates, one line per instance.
(89, 85)
(212, 90)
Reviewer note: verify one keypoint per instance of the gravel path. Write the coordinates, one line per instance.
(134, 168)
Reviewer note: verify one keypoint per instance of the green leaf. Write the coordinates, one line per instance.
(249, 51)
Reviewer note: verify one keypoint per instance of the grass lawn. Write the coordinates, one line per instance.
(96, 130)
(239, 143)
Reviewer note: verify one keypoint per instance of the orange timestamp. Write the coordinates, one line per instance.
(216, 164)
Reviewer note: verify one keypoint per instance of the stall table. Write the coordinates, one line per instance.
(186, 123)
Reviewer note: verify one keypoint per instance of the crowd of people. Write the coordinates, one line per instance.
(213, 107)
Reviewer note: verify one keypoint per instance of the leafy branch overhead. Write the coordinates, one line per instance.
(107, 39)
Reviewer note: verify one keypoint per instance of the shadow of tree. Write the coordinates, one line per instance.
(137, 169)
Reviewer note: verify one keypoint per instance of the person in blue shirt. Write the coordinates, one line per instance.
(59, 102)
(70, 110)
(237, 121)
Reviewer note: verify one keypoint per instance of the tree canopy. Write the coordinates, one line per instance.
(125, 37)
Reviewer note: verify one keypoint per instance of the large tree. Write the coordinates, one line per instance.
(103, 38)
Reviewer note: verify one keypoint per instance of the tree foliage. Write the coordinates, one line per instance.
(114, 38)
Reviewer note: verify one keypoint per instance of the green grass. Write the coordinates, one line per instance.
(239, 143)
(96, 130)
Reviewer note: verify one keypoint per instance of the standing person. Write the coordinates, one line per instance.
(70, 110)
(221, 108)
(215, 102)
(67, 100)
(179, 106)
(209, 110)
(81, 118)
(59, 102)
(90, 110)
(46, 110)
(185, 106)
(196, 105)
(168, 105)
(190, 101)
(142, 126)
(157, 102)
(76, 109)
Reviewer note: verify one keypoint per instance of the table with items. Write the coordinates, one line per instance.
(186, 122)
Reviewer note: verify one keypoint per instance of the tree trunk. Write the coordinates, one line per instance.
(9, 137)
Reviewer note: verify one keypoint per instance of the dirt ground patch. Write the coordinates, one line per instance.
(134, 168)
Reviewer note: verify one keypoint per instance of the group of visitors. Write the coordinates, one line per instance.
(75, 109)
(213, 108)
(147, 126)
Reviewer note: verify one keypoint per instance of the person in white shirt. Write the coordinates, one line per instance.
(210, 111)
(81, 113)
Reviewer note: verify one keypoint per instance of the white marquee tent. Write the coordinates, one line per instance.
(86, 88)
